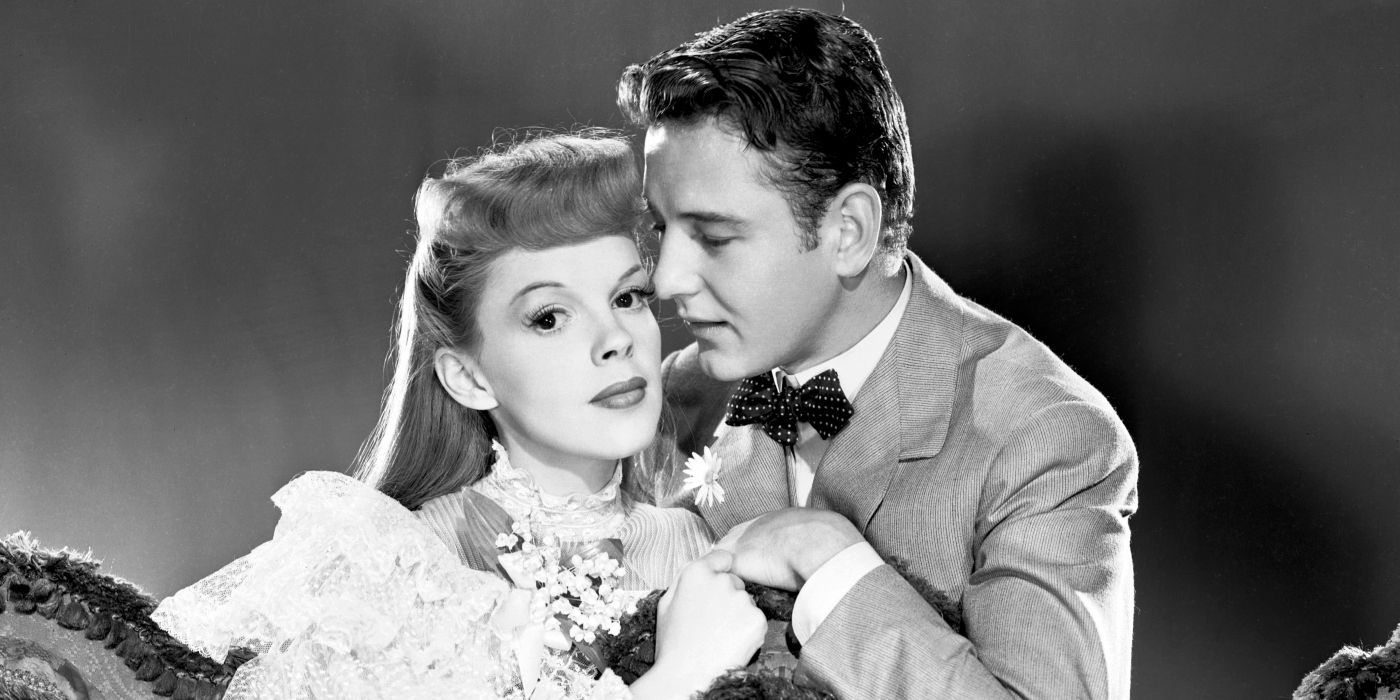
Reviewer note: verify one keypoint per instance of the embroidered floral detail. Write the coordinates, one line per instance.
(702, 476)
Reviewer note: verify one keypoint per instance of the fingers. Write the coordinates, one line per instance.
(720, 561)
(730, 540)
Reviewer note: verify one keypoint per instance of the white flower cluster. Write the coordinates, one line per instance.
(585, 592)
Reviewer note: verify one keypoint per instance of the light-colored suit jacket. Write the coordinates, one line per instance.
(994, 473)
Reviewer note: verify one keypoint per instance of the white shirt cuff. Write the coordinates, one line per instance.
(828, 585)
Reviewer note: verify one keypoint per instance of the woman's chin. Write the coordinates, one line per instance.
(624, 443)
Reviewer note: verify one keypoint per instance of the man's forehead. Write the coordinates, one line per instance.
(710, 131)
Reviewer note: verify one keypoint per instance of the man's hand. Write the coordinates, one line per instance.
(784, 548)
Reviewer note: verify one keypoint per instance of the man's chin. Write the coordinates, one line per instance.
(723, 366)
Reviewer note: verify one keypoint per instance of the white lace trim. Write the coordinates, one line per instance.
(572, 518)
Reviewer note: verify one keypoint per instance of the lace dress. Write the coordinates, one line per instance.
(356, 596)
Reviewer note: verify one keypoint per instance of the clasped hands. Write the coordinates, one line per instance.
(707, 623)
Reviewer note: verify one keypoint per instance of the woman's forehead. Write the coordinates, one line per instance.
(601, 262)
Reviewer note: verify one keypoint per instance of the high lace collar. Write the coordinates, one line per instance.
(572, 518)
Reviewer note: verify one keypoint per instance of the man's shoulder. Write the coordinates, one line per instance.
(1030, 402)
(1004, 375)
(1016, 367)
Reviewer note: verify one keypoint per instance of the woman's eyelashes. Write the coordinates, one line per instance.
(547, 318)
(635, 297)
(550, 317)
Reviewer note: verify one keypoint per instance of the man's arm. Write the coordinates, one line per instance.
(1048, 607)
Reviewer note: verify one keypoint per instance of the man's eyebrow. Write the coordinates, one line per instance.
(712, 217)
(701, 217)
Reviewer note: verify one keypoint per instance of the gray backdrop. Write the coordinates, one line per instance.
(205, 208)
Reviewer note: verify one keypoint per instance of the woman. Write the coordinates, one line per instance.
(526, 380)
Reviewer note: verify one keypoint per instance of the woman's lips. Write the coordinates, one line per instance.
(623, 394)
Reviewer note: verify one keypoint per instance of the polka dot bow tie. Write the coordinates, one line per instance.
(819, 403)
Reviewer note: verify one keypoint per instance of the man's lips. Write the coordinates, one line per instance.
(703, 330)
(622, 394)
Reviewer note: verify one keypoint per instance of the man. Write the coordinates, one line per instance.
(832, 369)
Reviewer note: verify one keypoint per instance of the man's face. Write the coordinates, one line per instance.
(732, 256)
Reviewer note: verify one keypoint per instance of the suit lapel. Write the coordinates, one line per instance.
(903, 410)
(753, 473)
(855, 472)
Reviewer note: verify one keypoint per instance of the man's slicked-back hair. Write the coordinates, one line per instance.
(806, 88)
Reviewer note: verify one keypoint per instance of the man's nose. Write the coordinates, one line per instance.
(675, 274)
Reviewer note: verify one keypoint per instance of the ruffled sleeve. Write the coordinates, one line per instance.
(353, 597)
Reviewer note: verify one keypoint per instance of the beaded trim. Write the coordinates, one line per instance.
(64, 586)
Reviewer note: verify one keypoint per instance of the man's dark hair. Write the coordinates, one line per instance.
(808, 89)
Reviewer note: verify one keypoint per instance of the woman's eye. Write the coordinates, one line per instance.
(545, 320)
(633, 298)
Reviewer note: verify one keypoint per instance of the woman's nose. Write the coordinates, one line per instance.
(613, 341)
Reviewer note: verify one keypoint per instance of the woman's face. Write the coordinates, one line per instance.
(571, 351)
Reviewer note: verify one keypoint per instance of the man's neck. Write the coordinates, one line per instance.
(865, 303)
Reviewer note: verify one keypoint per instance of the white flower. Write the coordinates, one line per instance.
(702, 475)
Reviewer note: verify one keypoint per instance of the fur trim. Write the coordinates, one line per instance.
(1353, 674)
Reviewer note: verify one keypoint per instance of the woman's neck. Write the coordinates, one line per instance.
(559, 474)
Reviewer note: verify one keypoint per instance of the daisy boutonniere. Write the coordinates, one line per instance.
(702, 475)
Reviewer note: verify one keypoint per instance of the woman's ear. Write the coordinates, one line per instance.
(461, 376)
(859, 217)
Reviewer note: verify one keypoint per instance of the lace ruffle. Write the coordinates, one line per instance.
(352, 597)
(573, 518)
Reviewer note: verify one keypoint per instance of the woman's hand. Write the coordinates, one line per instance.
(706, 625)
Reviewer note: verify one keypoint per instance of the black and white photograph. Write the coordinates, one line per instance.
(553, 350)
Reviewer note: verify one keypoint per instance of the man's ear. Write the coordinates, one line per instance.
(461, 376)
(857, 214)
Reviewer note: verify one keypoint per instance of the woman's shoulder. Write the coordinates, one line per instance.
(468, 522)
(652, 522)
(334, 494)
(659, 541)
(338, 540)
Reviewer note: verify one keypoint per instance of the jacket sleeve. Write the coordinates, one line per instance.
(1048, 608)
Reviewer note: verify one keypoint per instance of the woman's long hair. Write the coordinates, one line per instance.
(542, 192)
